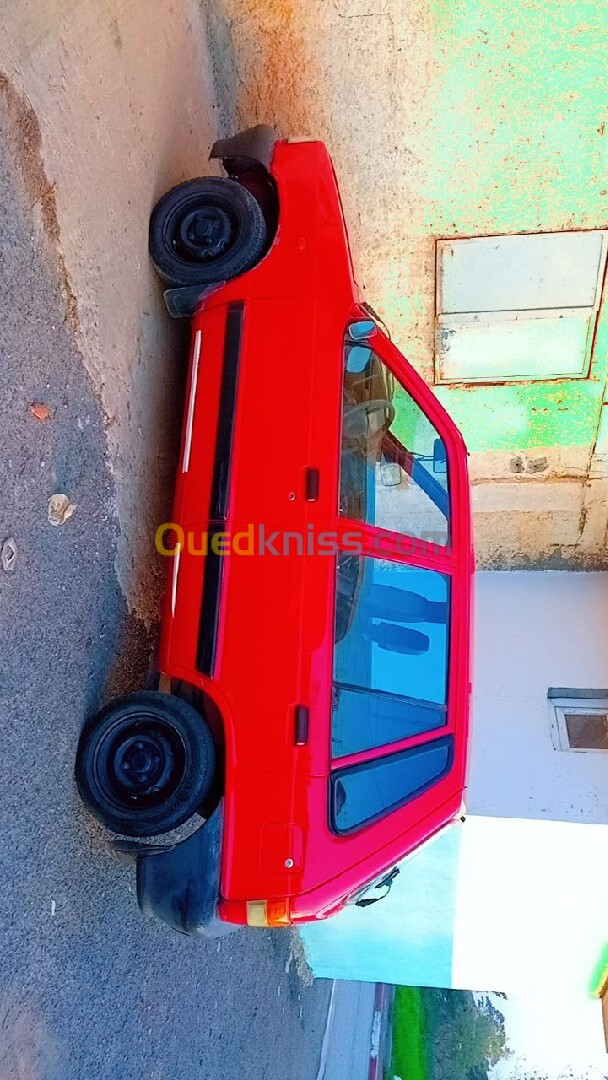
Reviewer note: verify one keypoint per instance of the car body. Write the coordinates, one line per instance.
(299, 419)
(255, 633)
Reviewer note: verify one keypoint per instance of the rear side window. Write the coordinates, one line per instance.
(364, 719)
(362, 793)
(394, 470)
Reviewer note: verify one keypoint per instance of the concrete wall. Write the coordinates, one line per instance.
(535, 631)
(452, 118)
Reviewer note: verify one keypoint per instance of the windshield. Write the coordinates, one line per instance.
(394, 464)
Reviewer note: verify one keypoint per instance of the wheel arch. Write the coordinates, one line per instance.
(252, 147)
(246, 157)
(213, 711)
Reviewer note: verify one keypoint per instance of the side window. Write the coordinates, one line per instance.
(364, 719)
(392, 628)
(362, 793)
(394, 463)
(391, 653)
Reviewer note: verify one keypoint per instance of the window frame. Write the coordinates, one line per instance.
(398, 699)
(572, 702)
(385, 543)
(429, 406)
(407, 741)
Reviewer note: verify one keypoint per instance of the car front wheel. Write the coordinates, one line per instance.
(145, 763)
(206, 231)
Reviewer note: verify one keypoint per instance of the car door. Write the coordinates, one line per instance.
(401, 611)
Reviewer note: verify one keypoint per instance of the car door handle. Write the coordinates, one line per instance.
(312, 484)
(301, 725)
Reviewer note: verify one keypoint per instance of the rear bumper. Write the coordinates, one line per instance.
(180, 884)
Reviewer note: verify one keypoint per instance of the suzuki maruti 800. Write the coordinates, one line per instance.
(314, 654)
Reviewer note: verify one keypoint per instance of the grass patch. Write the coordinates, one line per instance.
(409, 1059)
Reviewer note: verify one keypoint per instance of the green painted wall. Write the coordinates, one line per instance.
(522, 416)
(519, 145)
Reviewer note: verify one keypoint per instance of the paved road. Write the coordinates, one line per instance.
(346, 1050)
(89, 989)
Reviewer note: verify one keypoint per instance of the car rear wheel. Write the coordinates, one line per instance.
(206, 231)
(145, 763)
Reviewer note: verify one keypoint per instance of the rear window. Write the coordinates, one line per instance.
(362, 793)
(394, 470)
(391, 652)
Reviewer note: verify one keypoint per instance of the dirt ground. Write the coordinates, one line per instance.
(115, 101)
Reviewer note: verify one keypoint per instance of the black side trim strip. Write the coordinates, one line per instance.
(225, 424)
(218, 508)
(210, 609)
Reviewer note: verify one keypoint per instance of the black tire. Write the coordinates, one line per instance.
(206, 231)
(145, 763)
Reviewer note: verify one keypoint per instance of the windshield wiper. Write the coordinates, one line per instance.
(385, 883)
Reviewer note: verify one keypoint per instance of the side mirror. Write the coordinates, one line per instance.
(440, 459)
(361, 329)
(357, 358)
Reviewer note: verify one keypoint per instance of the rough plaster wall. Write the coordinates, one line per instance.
(451, 118)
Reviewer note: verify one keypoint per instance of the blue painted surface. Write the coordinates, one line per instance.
(406, 938)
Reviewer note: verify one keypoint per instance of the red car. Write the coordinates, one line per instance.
(314, 653)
